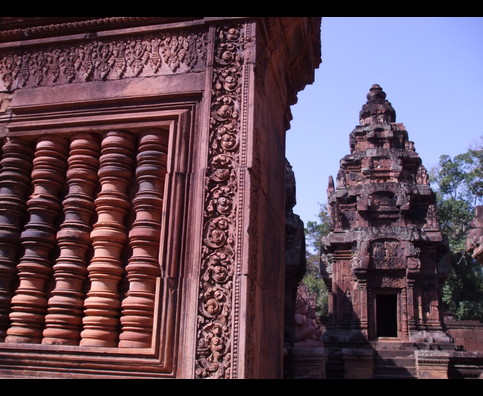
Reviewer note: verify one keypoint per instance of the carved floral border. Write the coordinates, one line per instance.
(218, 288)
(100, 60)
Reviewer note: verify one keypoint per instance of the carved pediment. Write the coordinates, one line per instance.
(386, 254)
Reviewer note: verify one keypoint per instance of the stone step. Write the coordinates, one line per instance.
(395, 365)
(395, 372)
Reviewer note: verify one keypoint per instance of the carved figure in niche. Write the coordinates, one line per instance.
(403, 200)
(432, 218)
(383, 201)
(307, 330)
(362, 256)
(378, 253)
(362, 202)
(411, 256)
(422, 177)
(341, 181)
(338, 220)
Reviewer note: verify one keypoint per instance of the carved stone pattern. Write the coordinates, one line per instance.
(15, 169)
(100, 60)
(38, 239)
(109, 235)
(63, 323)
(215, 349)
(50, 252)
(389, 280)
(387, 255)
(70, 26)
(143, 269)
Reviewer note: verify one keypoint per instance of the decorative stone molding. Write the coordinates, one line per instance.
(14, 28)
(215, 349)
(103, 59)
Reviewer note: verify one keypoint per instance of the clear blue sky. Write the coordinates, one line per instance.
(431, 69)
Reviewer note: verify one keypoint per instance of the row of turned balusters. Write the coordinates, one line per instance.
(68, 198)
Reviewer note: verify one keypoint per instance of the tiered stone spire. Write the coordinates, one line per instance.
(385, 239)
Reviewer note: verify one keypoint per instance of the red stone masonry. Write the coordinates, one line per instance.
(142, 193)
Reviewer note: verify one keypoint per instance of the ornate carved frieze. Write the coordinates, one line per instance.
(387, 255)
(215, 349)
(103, 59)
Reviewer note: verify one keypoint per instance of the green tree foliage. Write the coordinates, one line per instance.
(314, 231)
(458, 183)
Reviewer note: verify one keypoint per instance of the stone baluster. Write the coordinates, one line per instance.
(16, 168)
(39, 239)
(404, 314)
(363, 299)
(109, 236)
(63, 322)
(143, 268)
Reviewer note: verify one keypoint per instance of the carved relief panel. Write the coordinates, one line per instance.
(104, 59)
(218, 299)
(386, 255)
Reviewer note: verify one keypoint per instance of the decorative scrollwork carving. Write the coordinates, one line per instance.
(99, 60)
(215, 313)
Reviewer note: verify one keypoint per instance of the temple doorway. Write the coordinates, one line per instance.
(386, 315)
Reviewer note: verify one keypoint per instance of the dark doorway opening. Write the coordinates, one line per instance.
(386, 309)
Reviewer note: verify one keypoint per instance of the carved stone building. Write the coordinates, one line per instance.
(385, 259)
(142, 195)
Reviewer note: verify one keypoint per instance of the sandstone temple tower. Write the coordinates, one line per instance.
(142, 193)
(385, 259)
